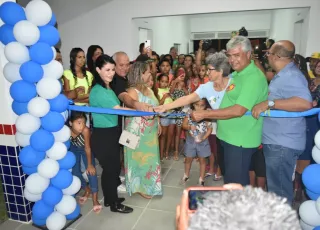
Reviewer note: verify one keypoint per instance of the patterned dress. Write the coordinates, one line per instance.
(177, 93)
(142, 165)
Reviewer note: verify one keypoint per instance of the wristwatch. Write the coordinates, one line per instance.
(271, 104)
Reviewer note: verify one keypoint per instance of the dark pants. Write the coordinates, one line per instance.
(237, 162)
(105, 146)
(220, 156)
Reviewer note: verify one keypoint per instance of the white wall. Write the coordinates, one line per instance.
(251, 20)
(112, 27)
(177, 26)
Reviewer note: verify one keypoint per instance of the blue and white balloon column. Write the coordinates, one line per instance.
(309, 211)
(29, 36)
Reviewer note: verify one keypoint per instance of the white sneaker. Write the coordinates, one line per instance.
(122, 188)
(122, 178)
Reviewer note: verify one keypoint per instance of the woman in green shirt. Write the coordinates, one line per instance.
(106, 133)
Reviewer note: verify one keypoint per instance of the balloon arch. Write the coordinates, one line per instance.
(29, 36)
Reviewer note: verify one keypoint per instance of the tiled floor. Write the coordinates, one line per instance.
(159, 212)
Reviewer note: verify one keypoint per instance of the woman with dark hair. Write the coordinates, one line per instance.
(94, 51)
(106, 133)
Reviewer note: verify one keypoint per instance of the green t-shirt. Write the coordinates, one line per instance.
(247, 88)
(103, 98)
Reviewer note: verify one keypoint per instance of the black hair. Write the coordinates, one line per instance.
(164, 60)
(271, 42)
(188, 55)
(57, 50)
(243, 32)
(202, 99)
(100, 62)
(170, 60)
(301, 63)
(91, 50)
(141, 47)
(75, 115)
(162, 75)
(73, 56)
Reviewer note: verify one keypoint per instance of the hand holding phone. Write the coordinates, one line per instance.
(147, 44)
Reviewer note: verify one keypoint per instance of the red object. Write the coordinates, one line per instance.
(7, 129)
(260, 147)
(1, 129)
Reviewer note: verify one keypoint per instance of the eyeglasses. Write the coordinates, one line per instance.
(209, 70)
(268, 53)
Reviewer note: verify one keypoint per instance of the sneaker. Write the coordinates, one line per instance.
(201, 182)
(122, 178)
(184, 179)
(122, 188)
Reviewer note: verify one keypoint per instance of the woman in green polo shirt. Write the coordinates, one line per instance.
(106, 133)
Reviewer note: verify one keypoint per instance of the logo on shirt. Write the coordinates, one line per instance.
(212, 100)
(231, 87)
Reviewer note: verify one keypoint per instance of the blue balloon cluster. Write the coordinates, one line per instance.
(22, 91)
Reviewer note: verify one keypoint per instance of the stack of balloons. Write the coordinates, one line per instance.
(309, 211)
(29, 37)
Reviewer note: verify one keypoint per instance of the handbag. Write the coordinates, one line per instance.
(129, 140)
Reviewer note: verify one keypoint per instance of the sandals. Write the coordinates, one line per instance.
(216, 178)
(145, 196)
(83, 200)
(97, 208)
(208, 175)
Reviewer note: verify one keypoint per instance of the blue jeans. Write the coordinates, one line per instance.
(81, 158)
(280, 167)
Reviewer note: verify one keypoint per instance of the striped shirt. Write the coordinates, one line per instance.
(77, 141)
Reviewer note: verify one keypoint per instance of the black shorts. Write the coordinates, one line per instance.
(258, 164)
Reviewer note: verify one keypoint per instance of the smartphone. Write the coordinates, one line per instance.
(147, 44)
(197, 195)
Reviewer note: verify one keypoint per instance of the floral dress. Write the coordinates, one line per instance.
(177, 93)
(142, 165)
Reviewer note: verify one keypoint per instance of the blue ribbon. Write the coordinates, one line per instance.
(134, 113)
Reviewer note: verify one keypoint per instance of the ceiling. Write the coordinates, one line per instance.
(66, 10)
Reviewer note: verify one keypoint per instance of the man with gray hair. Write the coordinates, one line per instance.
(247, 209)
(240, 135)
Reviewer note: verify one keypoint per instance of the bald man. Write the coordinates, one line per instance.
(284, 139)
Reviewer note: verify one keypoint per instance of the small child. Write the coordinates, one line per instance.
(167, 124)
(197, 143)
(80, 146)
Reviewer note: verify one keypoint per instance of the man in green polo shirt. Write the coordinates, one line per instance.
(240, 135)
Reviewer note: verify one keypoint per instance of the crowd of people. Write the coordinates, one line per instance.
(209, 93)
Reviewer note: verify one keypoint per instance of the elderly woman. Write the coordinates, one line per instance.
(213, 91)
(142, 164)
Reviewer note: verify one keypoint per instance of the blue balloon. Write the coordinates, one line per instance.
(53, 20)
(63, 179)
(19, 108)
(6, 34)
(29, 170)
(68, 144)
(41, 53)
(68, 161)
(312, 195)
(311, 178)
(52, 122)
(52, 196)
(59, 104)
(41, 140)
(317, 228)
(38, 222)
(23, 91)
(30, 158)
(41, 210)
(49, 34)
(11, 13)
(31, 71)
(75, 213)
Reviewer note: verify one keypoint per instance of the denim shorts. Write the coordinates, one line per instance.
(167, 121)
(193, 149)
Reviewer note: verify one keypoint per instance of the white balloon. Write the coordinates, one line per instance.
(305, 226)
(48, 168)
(56, 221)
(22, 139)
(38, 12)
(63, 134)
(48, 88)
(317, 139)
(26, 33)
(38, 107)
(53, 70)
(316, 154)
(309, 214)
(54, 52)
(11, 72)
(67, 205)
(32, 197)
(16, 53)
(37, 184)
(318, 205)
(57, 151)
(27, 124)
(74, 187)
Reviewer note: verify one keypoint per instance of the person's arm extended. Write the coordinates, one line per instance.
(128, 100)
(220, 114)
(119, 107)
(293, 104)
(182, 101)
